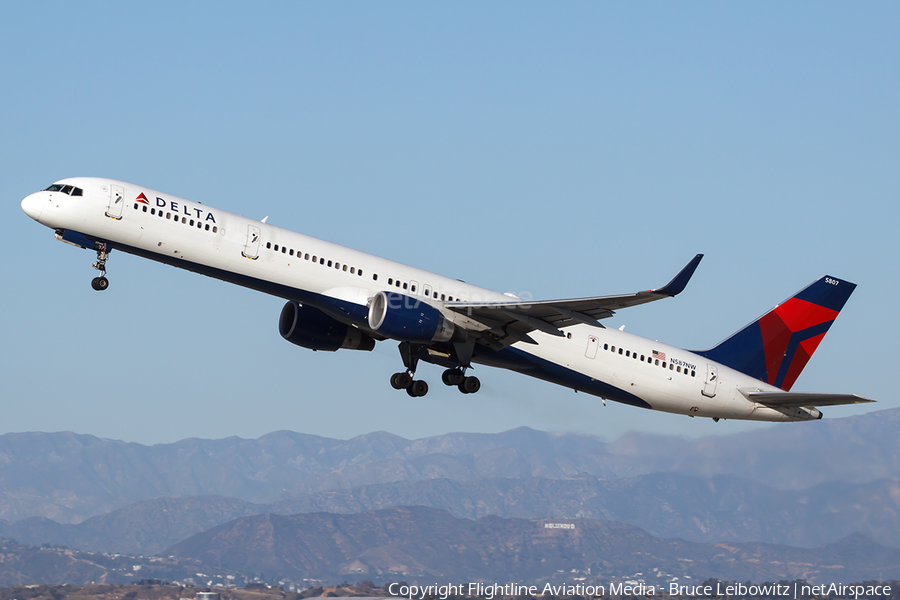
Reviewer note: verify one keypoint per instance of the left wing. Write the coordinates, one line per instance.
(515, 319)
(796, 399)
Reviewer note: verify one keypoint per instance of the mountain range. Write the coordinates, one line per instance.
(803, 485)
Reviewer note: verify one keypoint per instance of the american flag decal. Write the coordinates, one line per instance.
(659, 355)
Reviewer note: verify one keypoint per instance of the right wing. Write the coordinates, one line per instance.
(509, 322)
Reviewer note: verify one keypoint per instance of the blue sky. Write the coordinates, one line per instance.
(559, 150)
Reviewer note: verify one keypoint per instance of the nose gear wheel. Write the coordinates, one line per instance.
(101, 283)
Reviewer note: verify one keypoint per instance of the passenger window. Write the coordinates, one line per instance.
(693, 373)
(168, 216)
(152, 211)
(620, 351)
(390, 281)
(352, 270)
(321, 261)
(360, 273)
(291, 251)
(442, 297)
(329, 263)
(145, 209)
(215, 229)
(397, 283)
(283, 250)
(628, 353)
(306, 256)
(374, 276)
(657, 362)
(606, 346)
(613, 349)
(642, 358)
(276, 247)
(337, 265)
(678, 369)
(404, 286)
(345, 268)
(413, 288)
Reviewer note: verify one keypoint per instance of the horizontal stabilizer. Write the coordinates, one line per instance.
(792, 399)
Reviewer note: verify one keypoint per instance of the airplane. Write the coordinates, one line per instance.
(340, 298)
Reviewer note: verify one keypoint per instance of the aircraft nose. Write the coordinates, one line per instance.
(33, 205)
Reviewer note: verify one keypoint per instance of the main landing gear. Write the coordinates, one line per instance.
(101, 283)
(405, 380)
(457, 377)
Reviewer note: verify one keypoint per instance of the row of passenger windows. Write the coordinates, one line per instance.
(650, 360)
(65, 189)
(315, 259)
(403, 285)
(191, 222)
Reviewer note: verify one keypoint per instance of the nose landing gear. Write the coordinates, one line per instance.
(101, 283)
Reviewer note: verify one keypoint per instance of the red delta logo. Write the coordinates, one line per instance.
(142, 199)
(791, 333)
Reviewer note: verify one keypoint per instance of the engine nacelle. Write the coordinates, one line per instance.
(408, 319)
(309, 327)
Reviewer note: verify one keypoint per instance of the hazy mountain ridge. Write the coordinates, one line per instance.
(668, 505)
(70, 477)
(418, 542)
(422, 544)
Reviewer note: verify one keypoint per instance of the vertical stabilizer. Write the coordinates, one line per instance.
(777, 346)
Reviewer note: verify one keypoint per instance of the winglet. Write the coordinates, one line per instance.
(677, 285)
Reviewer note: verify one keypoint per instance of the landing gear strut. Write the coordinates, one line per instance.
(101, 283)
(404, 379)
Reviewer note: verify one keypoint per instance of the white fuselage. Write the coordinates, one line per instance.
(600, 361)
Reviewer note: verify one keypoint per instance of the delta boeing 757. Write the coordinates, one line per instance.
(342, 298)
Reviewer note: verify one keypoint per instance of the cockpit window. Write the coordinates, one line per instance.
(65, 189)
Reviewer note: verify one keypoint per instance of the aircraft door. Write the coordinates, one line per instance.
(116, 202)
(712, 378)
(251, 249)
(592, 345)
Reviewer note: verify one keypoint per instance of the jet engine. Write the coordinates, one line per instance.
(408, 319)
(309, 327)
